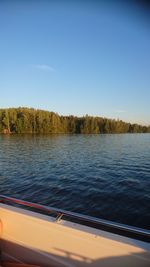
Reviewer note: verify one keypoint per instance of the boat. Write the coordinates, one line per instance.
(36, 235)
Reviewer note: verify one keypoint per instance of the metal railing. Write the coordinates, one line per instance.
(109, 226)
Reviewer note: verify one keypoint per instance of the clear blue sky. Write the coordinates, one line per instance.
(76, 58)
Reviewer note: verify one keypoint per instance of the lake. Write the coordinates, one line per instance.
(106, 176)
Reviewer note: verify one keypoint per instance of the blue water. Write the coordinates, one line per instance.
(107, 176)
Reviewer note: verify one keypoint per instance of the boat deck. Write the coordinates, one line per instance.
(28, 237)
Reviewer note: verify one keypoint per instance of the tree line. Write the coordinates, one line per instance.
(28, 120)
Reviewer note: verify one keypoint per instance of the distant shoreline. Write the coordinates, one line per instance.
(40, 134)
(24, 120)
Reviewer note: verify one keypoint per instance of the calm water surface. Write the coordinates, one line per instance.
(107, 176)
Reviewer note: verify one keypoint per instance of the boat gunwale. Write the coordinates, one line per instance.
(106, 225)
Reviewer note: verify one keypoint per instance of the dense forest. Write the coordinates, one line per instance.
(29, 120)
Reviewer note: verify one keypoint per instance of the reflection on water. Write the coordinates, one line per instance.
(107, 176)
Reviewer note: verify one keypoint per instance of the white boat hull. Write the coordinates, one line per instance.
(30, 237)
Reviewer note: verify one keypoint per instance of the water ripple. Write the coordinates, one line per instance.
(107, 176)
